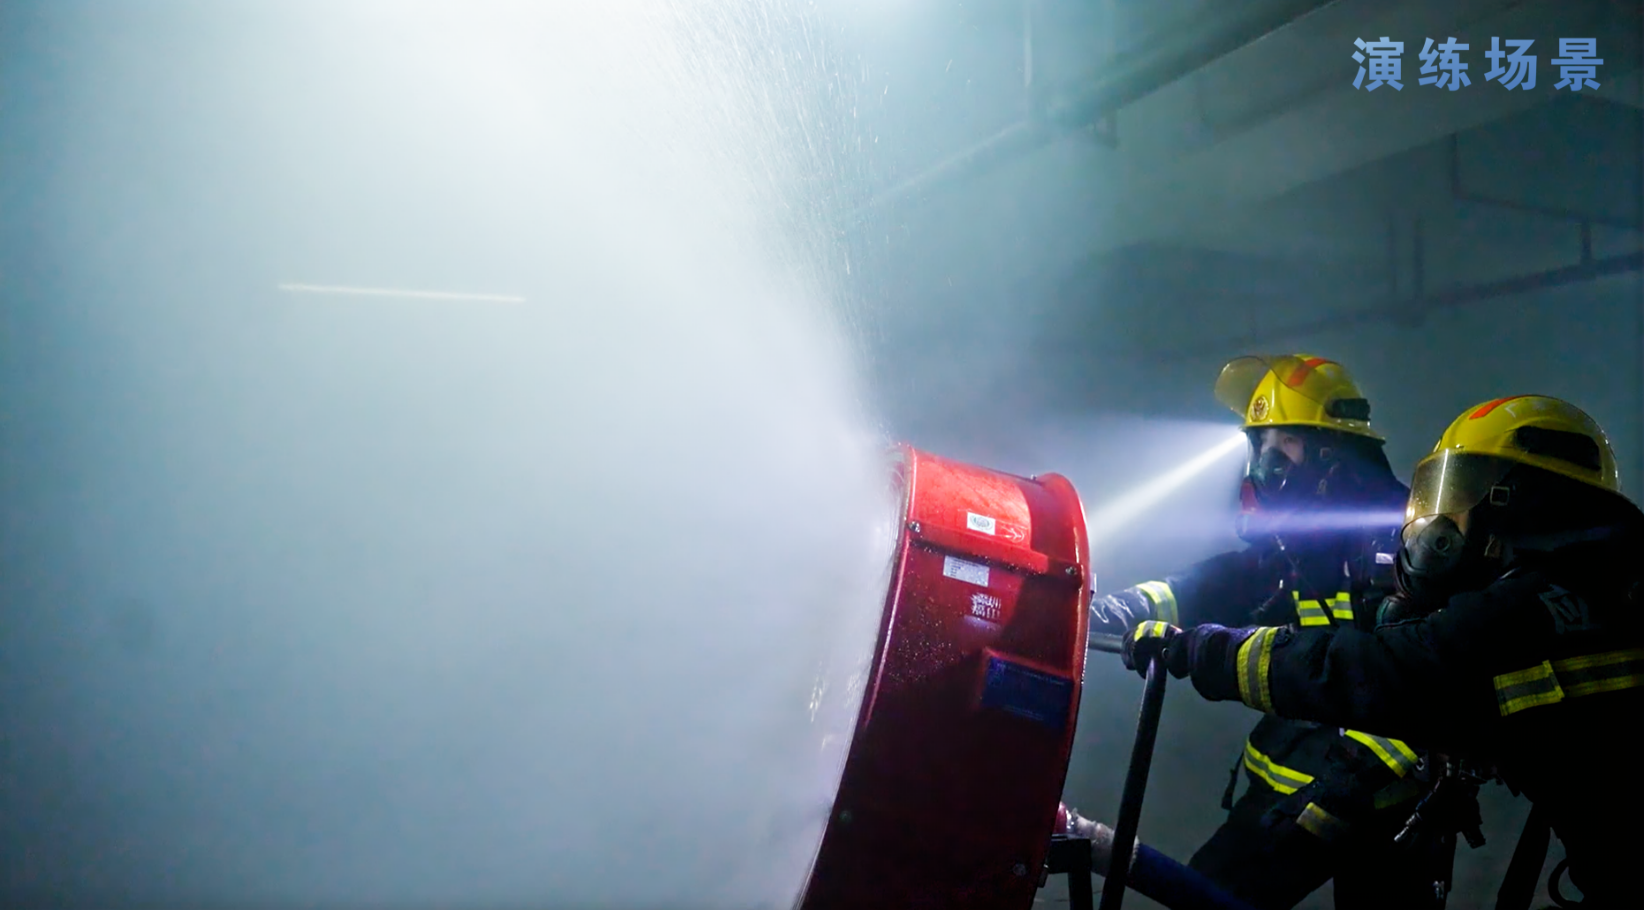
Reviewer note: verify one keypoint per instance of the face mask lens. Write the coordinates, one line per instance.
(1269, 473)
(1433, 549)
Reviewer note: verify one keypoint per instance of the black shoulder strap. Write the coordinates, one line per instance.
(1518, 886)
(1373, 576)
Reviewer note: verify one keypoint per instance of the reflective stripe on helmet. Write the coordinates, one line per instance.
(1394, 754)
(1285, 780)
(1485, 408)
(1298, 375)
(1553, 681)
(1254, 659)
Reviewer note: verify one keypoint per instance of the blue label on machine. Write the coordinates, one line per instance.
(1025, 692)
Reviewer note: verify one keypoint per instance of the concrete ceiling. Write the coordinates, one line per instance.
(1286, 161)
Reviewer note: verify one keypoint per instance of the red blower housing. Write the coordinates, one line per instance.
(954, 777)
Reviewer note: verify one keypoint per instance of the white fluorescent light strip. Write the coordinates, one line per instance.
(390, 292)
(1127, 508)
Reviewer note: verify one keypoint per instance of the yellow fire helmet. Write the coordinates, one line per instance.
(1294, 390)
(1487, 440)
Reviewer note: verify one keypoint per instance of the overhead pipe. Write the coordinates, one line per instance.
(1130, 78)
(1413, 309)
(1586, 219)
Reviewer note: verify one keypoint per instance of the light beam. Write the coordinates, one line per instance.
(1120, 512)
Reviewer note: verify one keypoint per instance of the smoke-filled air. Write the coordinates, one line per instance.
(614, 454)
(444, 477)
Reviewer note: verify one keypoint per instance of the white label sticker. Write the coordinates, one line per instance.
(981, 523)
(973, 572)
(986, 606)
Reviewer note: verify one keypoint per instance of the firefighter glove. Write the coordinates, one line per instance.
(1151, 639)
(1208, 653)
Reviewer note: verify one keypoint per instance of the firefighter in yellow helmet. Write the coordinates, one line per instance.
(1514, 641)
(1320, 511)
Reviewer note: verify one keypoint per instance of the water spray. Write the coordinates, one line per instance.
(339, 290)
(449, 601)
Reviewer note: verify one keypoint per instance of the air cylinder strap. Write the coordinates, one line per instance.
(1518, 886)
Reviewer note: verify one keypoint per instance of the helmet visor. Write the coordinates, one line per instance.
(1451, 482)
(1241, 376)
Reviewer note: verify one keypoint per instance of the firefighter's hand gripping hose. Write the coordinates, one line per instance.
(1152, 639)
(1206, 653)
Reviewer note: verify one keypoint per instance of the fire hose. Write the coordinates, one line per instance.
(1127, 863)
(1141, 762)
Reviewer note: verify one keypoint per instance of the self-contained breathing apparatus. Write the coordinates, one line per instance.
(1535, 484)
(1450, 810)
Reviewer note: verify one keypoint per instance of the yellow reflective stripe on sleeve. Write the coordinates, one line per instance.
(1399, 791)
(1393, 754)
(1597, 673)
(1254, 660)
(1321, 824)
(1285, 780)
(1163, 599)
(1571, 677)
(1527, 689)
(1341, 606)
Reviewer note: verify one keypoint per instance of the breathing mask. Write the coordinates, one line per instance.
(1437, 557)
(1275, 487)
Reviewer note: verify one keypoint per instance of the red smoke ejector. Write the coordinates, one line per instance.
(954, 777)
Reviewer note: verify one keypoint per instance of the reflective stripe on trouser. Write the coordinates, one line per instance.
(1163, 600)
(1285, 780)
(1394, 754)
(1553, 681)
(1253, 662)
(1319, 613)
(1321, 824)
